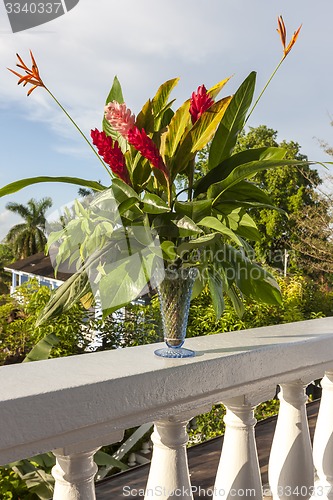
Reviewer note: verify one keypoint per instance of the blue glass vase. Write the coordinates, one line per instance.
(174, 294)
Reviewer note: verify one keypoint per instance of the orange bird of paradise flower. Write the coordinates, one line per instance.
(283, 35)
(31, 77)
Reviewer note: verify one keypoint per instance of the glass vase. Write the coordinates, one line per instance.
(174, 294)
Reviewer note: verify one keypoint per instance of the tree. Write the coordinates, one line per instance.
(290, 188)
(28, 238)
(6, 256)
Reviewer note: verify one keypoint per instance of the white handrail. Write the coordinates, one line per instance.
(82, 402)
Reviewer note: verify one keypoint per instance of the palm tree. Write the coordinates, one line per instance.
(28, 237)
(6, 256)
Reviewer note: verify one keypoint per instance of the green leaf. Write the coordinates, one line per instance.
(216, 225)
(165, 226)
(103, 459)
(232, 122)
(166, 118)
(22, 183)
(141, 172)
(122, 191)
(216, 291)
(145, 118)
(176, 129)
(202, 241)
(248, 170)
(216, 89)
(162, 95)
(124, 281)
(169, 250)
(236, 301)
(253, 280)
(187, 227)
(198, 286)
(196, 210)
(115, 93)
(127, 205)
(153, 204)
(227, 166)
(44, 459)
(199, 135)
(243, 224)
(72, 290)
(242, 191)
(42, 349)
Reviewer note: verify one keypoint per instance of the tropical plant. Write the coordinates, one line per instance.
(28, 237)
(142, 223)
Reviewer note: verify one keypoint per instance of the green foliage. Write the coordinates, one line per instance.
(210, 425)
(28, 238)
(6, 256)
(22, 183)
(12, 487)
(291, 188)
(19, 334)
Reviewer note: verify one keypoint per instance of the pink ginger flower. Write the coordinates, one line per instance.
(146, 146)
(111, 153)
(120, 117)
(200, 102)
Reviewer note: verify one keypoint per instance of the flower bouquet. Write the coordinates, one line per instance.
(162, 224)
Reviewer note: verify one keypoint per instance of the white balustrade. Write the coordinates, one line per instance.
(323, 441)
(74, 475)
(291, 464)
(77, 404)
(169, 475)
(238, 469)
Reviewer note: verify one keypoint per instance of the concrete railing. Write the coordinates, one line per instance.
(75, 405)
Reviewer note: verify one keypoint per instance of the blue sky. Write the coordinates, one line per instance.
(145, 43)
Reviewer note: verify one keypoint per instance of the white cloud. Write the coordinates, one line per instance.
(147, 42)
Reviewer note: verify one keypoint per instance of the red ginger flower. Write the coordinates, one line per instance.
(146, 146)
(112, 154)
(120, 117)
(122, 120)
(200, 102)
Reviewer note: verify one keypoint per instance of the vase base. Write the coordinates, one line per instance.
(177, 352)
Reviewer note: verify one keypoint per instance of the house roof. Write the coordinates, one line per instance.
(38, 265)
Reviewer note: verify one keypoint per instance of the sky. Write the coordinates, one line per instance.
(145, 43)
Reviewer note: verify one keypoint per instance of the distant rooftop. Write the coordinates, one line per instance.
(39, 265)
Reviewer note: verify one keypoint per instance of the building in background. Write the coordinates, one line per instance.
(36, 266)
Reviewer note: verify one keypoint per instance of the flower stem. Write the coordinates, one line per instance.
(191, 179)
(263, 90)
(79, 130)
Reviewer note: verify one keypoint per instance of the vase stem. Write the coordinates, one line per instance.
(175, 296)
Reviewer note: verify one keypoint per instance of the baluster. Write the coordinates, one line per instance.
(169, 476)
(291, 471)
(238, 474)
(323, 441)
(75, 469)
(74, 475)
